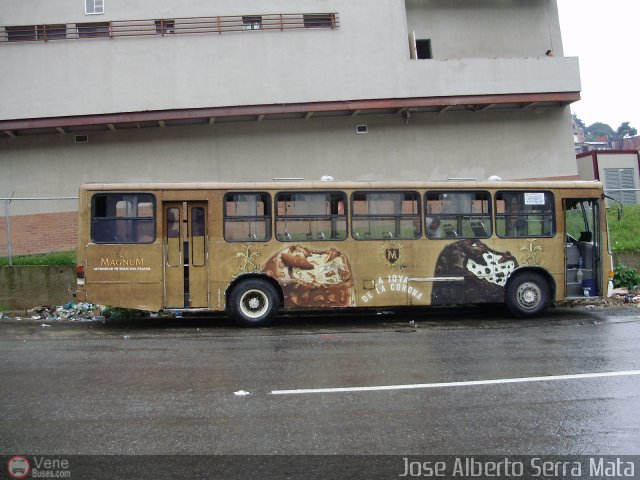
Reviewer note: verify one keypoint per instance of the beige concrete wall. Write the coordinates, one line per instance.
(28, 287)
(428, 147)
(630, 259)
(585, 168)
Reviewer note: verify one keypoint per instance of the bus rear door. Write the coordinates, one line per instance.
(185, 255)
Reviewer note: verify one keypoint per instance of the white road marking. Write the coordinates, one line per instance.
(469, 383)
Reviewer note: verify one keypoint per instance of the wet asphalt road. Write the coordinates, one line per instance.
(170, 386)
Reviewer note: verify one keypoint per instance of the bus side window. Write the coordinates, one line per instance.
(247, 217)
(310, 216)
(524, 214)
(458, 214)
(123, 218)
(146, 232)
(386, 215)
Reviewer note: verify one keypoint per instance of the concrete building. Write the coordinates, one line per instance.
(176, 90)
(631, 143)
(618, 170)
(170, 90)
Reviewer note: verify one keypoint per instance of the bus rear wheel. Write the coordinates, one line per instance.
(253, 303)
(527, 295)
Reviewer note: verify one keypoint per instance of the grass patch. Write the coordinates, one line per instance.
(55, 258)
(625, 234)
(626, 277)
(116, 313)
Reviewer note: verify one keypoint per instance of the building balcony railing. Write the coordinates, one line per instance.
(168, 26)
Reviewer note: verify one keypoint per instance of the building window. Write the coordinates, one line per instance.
(385, 215)
(93, 30)
(52, 32)
(247, 217)
(123, 218)
(23, 33)
(28, 33)
(304, 216)
(525, 214)
(318, 20)
(165, 26)
(458, 215)
(423, 49)
(93, 7)
(252, 22)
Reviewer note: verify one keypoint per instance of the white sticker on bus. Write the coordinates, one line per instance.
(536, 198)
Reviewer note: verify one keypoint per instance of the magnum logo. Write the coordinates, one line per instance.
(122, 262)
(391, 253)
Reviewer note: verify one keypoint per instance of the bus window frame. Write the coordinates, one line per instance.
(416, 228)
(153, 218)
(312, 217)
(268, 219)
(554, 226)
(463, 215)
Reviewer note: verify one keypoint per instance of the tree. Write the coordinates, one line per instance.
(614, 137)
(578, 122)
(625, 130)
(598, 129)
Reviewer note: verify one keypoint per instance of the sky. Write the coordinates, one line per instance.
(605, 35)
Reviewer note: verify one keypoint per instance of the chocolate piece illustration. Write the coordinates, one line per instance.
(484, 272)
(312, 278)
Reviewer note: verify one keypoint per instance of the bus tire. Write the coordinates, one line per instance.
(253, 303)
(527, 294)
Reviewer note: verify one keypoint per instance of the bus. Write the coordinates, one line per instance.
(253, 250)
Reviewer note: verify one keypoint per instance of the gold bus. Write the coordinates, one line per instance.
(254, 249)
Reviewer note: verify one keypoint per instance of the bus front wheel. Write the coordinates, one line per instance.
(527, 295)
(253, 303)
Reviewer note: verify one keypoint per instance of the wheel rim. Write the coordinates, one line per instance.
(528, 295)
(254, 304)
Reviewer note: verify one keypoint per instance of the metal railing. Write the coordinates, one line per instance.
(169, 26)
(37, 225)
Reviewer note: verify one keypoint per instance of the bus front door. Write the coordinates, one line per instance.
(583, 263)
(186, 282)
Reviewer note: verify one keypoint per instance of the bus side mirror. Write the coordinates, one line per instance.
(618, 206)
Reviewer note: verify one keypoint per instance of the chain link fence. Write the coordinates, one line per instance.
(37, 225)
